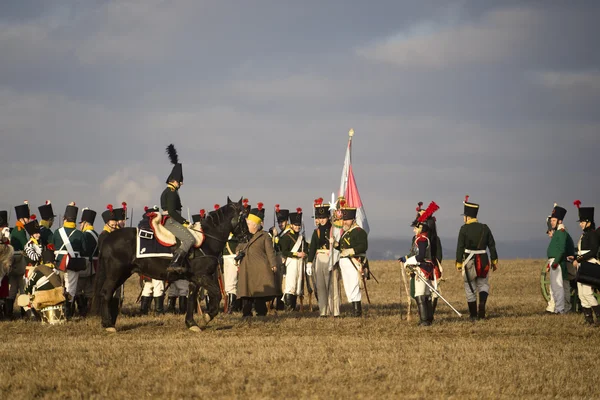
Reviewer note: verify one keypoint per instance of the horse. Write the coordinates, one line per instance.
(118, 262)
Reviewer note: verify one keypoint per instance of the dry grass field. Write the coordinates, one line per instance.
(517, 353)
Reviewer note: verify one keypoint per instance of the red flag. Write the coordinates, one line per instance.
(349, 189)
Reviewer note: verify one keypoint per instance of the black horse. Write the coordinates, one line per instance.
(118, 262)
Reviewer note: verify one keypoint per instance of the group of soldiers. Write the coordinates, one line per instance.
(573, 267)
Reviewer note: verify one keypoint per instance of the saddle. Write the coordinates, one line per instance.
(154, 240)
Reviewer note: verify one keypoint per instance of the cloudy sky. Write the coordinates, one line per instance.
(498, 100)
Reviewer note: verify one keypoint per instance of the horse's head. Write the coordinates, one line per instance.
(238, 222)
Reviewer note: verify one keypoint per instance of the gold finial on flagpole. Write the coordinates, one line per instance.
(351, 132)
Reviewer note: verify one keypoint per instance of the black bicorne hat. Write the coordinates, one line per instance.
(296, 218)
(471, 209)
(46, 211)
(3, 218)
(22, 210)
(586, 214)
(71, 211)
(88, 216)
(109, 214)
(32, 227)
(281, 214)
(558, 212)
(177, 171)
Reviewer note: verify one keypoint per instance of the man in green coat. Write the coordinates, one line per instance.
(46, 222)
(472, 258)
(560, 247)
(18, 240)
(70, 245)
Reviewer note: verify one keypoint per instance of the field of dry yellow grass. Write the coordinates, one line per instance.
(518, 352)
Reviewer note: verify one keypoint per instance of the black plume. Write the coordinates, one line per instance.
(172, 154)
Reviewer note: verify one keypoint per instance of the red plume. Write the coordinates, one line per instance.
(47, 202)
(245, 202)
(431, 208)
(202, 213)
(260, 205)
(319, 201)
(216, 206)
(109, 207)
(298, 210)
(342, 203)
(466, 198)
(32, 217)
(145, 208)
(577, 203)
(276, 207)
(124, 206)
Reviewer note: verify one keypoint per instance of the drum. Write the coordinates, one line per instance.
(589, 274)
(53, 315)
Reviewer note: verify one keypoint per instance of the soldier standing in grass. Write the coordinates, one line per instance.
(85, 283)
(293, 249)
(110, 217)
(587, 251)
(472, 258)
(352, 245)
(281, 216)
(327, 281)
(18, 240)
(560, 247)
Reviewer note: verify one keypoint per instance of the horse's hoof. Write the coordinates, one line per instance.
(207, 318)
(195, 329)
(111, 330)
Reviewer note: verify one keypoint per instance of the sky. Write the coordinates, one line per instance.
(497, 100)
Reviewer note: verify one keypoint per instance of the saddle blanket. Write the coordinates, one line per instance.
(147, 246)
(154, 240)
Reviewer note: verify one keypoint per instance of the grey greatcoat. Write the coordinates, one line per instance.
(256, 277)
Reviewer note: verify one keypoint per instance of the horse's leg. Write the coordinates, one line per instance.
(191, 304)
(115, 303)
(214, 295)
(106, 294)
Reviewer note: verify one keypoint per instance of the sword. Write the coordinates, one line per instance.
(408, 299)
(418, 274)
(363, 279)
(468, 278)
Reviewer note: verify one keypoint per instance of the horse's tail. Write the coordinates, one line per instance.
(98, 283)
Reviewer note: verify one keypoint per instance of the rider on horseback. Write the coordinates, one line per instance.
(171, 206)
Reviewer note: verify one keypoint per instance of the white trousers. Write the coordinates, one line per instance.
(557, 291)
(586, 295)
(155, 288)
(567, 290)
(421, 288)
(351, 280)
(71, 279)
(178, 288)
(329, 302)
(293, 276)
(479, 285)
(230, 274)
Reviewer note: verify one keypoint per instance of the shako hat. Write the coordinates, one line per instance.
(321, 210)
(586, 214)
(199, 217)
(121, 213)
(46, 211)
(246, 207)
(22, 210)
(257, 214)
(426, 215)
(33, 226)
(48, 254)
(419, 212)
(471, 209)
(296, 218)
(177, 171)
(3, 218)
(348, 213)
(281, 214)
(109, 214)
(558, 212)
(88, 216)
(71, 211)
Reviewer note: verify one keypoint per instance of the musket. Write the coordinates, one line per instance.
(302, 270)
(332, 210)
(418, 275)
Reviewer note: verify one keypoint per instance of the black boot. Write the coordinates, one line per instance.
(596, 310)
(81, 305)
(9, 308)
(171, 304)
(434, 304)
(429, 309)
(287, 300)
(159, 304)
(145, 307)
(472, 310)
(69, 306)
(182, 304)
(423, 308)
(357, 309)
(176, 262)
(482, 300)
(30, 315)
(294, 302)
(589, 317)
(279, 304)
(247, 307)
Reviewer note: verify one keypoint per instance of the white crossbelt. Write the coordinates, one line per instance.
(67, 244)
(43, 280)
(471, 253)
